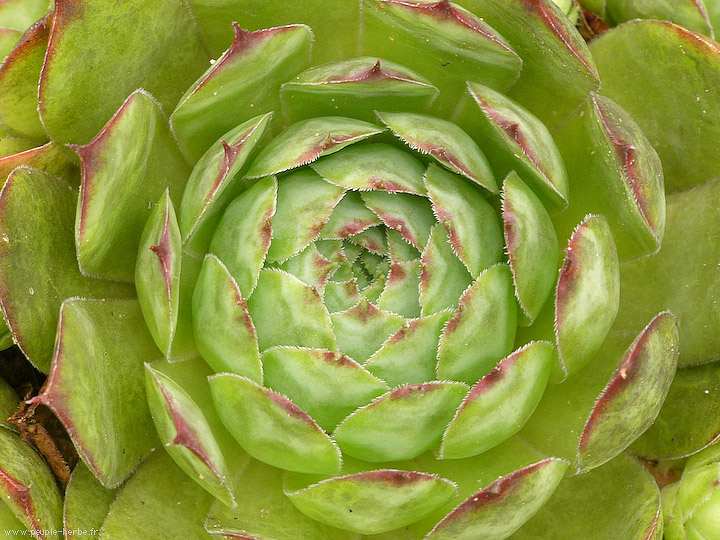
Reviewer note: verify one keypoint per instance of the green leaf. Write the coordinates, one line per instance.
(38, 268)
(18, 83)
(682, 277)
(377, 166)
(102, 344)
(482, 331)
(401, 424)
(215, 182)
(515, 139)
(470, 221)
(307, 140)
(326, 384)
(272, 428)
(157, 273)
(635, 66)
(410, 215)
(86, 503)
(125, 170)
(558, 70)
(356, 88)
(400, 294)
(28, 487)
(49, 158)
(8, 39)
(531, 244)
(632, 399)
(159, 488)
(349, 217)
(444, 141)
(688, 13)
(598, 502)
(9, 402)
(304, 204)
(445, 42)
(265, 512)
(247, 222)
(516, 496)
(443, 277)
(613, 171)
(241, 84)
(690, 417)
(189, 436)
(286, 311)
(587, 294)
(363, 328)
(370, 502)
(409, 356)
(335, 27)
(86, 78)
(500, 403)
(224, 331)
(20, 14)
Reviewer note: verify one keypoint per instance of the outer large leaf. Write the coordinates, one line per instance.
(95, 60)
(100, 353)
(639, 64)
(38, 268)
(86, 504)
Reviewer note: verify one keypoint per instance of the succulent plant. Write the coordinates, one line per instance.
(390, 269)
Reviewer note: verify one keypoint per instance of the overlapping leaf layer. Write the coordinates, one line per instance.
(398, 269)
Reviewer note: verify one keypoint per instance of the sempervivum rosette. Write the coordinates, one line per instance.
(393, 269)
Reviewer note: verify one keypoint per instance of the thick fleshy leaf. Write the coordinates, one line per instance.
(471, 222)
(349, 217)
(441, 40)
(19, 76)
(38, 268)
(371, 239)
(9, 402)
(443, 277)
(157, 274)
(21, 14)
(398, 249)
(400, 294)
(613, 171)
(214, 182)
(370, 502)
(248, 223)
(374, 166)
(8, 39)
(28, 488)
(690, 417)
(188, 435)
(310, 267)
(558, 70)
(86, 504)
(632, 399)
(86, 74)
(304, 204)
(444, 141)
(363, 328)
(531, 244)
(410, 355)
(326, 384)
(356, 88)
(401, 424)
(339, 296)
(335, 27)
(159, 488)
(638, 63)
(482, 331)
(682, 277)
(514, 139)
(48, 157)
(500, 509)
(241, 84)
(264, 512)
(409, 215)
(286, 311)
(272, 428)
(691, 14)
(500, 403)
(102, 345)
(125, 169)
(597, 501)
(307, 140)
(588, 294)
